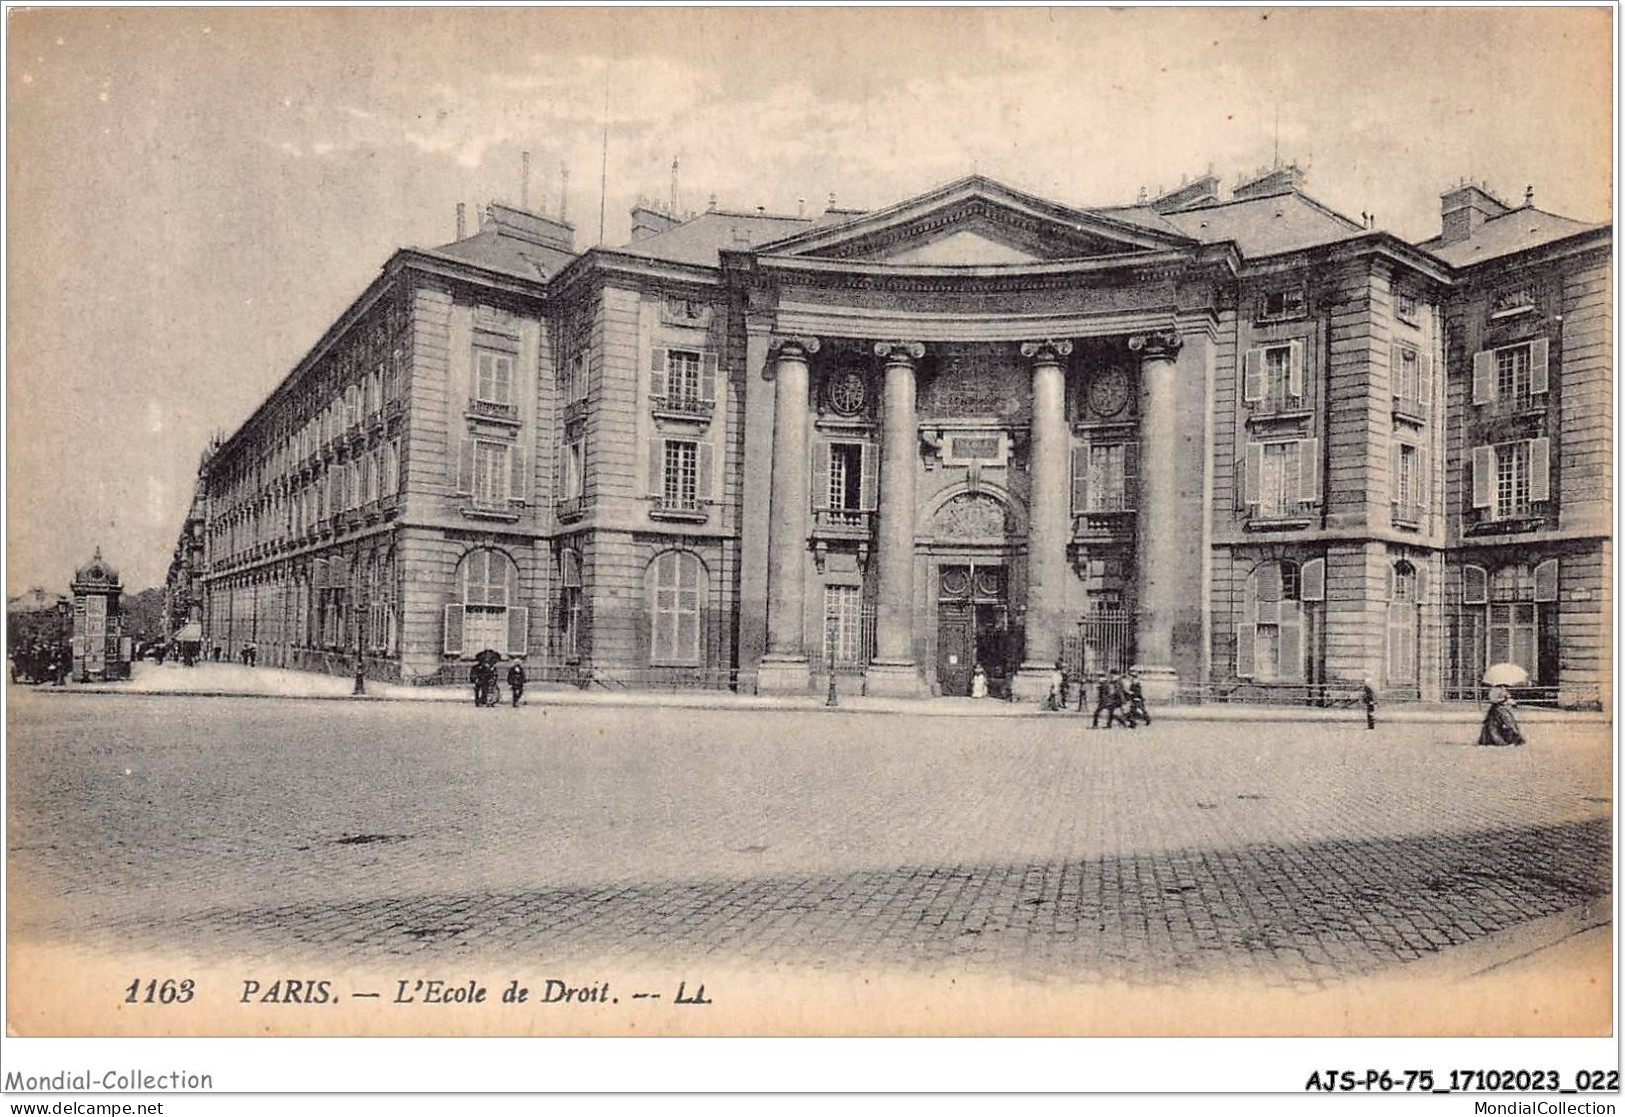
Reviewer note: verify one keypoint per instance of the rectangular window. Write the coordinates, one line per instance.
(1512, 374)
(1108, 478)
(1511, 479)
(1407, 387)
(843, 627)
(493, 377)
(680, 485)
(1278, 480)
(571, 483)
(682, 380)
(1405, 491)
(845, 476)
(1512, 636)
(1280, 305)
(1405, 307)
(575, 377)
(490, 474)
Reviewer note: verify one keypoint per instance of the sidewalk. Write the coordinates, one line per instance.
(220, 680)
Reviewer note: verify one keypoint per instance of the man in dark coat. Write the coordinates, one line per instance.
(516, 681)
(1136, 702)
(1107, 699)
(479, 675)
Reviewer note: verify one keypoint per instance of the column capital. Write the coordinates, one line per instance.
(900, 351)
(1048, 351)
(1162, 345)
(787, 347)
(780, 342)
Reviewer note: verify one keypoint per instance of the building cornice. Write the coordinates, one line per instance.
(599, 264)
(872, 322)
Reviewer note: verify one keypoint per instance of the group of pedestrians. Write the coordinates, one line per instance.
(1121, 698)
(487, 691)
(42, 663)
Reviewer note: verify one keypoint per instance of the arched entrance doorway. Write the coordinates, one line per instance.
(973, 562)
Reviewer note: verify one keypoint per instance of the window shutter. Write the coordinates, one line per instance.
(1388, 581)
(1245, 630)
(1475, 585)
(454, 630)
(1252, 378)
(1312, 580)
(1546, 581)
(518, 482)
(1422, 482)
(1291, 640)
(1424, 381)
(1309, 470)
(1537, 366)
(708, 376)
(1540, 472)
(1267, 594)
(820, 474)
(1294, 376)
(871, 477)
(1396, 363)
(464, 481)
(657, 466)
(1253, 478)
(1131, 475)
(705, 476)
(1080, 479)
(518, 630)
(1483, 476)
(657, 373)
(1393, 473)
(1484, 376)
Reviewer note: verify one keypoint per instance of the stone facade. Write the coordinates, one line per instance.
(974, 433)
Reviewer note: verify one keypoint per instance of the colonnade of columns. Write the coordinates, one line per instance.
(894, 669)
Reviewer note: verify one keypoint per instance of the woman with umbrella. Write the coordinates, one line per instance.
(1500, 726)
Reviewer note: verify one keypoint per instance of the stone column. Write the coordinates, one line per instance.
(1157, 521)
(894, 671)
(784, 667)
(1049, 520)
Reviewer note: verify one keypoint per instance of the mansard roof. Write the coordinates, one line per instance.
(1514, 231)
(1286, 222)
(702, 239)
(492, 249)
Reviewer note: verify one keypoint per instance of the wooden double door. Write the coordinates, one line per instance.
(973, 627)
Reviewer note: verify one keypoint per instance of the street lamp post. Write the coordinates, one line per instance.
(832, 698)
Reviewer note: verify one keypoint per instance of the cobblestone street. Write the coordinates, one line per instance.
(1286, 854)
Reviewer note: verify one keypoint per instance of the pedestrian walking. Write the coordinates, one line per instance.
(516, 682)
(1368, 695)
(1107, 700)
(1136, 702)
(477, 676)
(1500, 725)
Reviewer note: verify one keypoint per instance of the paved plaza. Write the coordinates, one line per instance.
(1030, 847)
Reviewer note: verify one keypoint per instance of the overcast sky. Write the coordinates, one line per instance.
(195, 194)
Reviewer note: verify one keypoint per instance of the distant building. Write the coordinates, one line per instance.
(34, 601)
(1248, 444)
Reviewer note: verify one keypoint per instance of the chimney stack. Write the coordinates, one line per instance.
(462, 221)
(524, 180)
(564, 193)
(1465, 208)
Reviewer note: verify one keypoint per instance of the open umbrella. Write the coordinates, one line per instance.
(1505, 674)
(489, 655)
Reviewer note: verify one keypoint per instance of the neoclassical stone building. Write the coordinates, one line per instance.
(1247, 443)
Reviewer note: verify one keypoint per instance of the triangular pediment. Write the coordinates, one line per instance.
(975, 222)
